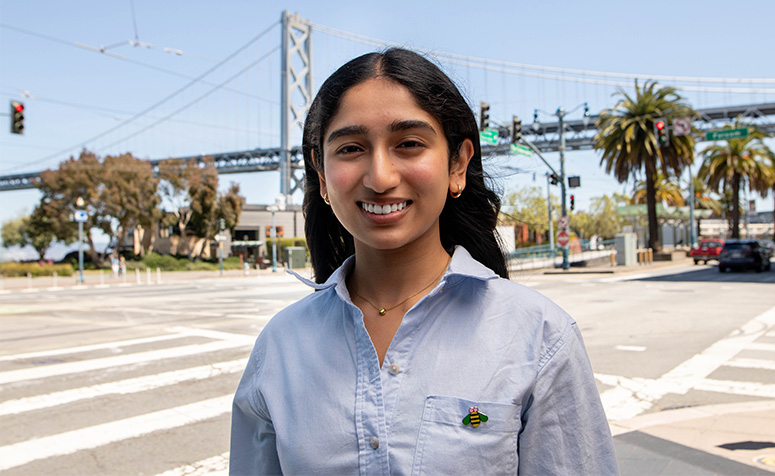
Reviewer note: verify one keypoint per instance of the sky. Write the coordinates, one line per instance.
(204, 76)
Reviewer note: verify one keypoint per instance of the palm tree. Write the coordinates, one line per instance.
(665, 191)
(702, 198)
(729, 164)
(629, 144)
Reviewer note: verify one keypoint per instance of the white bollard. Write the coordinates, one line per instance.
(148, 275)
(137, 275)
(55, 279)
(158, 275)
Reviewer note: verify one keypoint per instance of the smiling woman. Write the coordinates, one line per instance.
(417, 355)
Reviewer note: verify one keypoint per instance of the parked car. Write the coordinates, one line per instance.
(707, 250)
(744, 254)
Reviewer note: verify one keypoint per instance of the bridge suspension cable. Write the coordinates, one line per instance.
(567, 74)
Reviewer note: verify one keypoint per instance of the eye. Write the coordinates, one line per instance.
(410, 144)
(349, 149)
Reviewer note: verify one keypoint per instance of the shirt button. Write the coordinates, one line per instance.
(394, 369)
(374, 442)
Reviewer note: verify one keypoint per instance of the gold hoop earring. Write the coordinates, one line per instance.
(325, 199)
(459, 192)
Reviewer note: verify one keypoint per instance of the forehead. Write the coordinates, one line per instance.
(377, 102)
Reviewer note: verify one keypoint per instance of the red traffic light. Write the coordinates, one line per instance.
(660, 125)
(19, 107)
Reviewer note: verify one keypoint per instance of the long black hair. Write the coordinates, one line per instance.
(469, 220)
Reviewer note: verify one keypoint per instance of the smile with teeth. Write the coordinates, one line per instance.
(383, 209)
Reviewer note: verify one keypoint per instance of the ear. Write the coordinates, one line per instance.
(457, 172)
(321, 177)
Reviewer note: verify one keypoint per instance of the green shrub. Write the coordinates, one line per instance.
(164, 262)
(15, 270)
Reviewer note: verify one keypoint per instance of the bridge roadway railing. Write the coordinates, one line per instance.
(579, 135)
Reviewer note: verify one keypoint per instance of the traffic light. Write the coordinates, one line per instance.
(572, 203)
(222, 224)
(17, 117)
(554, 178)
(516, 129)
(484, 116)
(662, 132)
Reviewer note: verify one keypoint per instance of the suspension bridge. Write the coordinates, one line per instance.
(296, 93)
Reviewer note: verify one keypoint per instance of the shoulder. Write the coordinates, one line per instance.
(514, 311)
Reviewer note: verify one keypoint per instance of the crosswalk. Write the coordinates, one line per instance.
(629, 397)
(29, 375)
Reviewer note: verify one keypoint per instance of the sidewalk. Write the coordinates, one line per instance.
(731, 439)
(105, 279)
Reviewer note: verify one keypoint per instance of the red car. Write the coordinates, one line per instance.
(707, 250)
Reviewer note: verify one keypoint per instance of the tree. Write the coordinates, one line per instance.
(666, 191)
(702, 196)
(629, 145)
(729, 164)
(527, 205)
(186, 189)
(61, 188)
(129, 194)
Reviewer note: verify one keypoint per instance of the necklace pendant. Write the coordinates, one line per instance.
(382, 311)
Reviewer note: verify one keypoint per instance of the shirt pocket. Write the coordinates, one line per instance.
(445, 445)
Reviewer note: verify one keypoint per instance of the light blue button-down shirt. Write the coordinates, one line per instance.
(314, 400)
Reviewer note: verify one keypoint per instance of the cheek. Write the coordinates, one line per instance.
(340, 178)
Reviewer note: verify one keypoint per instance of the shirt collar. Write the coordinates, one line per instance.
(462, 264)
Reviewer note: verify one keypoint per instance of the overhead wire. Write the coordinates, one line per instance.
(166, 99)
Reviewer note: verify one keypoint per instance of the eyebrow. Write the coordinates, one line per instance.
(396, 126)
(410, 124)
(347, 131)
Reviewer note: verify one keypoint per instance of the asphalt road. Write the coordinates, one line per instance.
(138, 379)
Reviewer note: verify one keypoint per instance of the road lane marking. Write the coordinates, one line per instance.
(88, 348)
(215, 466)
(761, 346)
(121, 387)
(630, 397)
(753, 389)
(751, 364)
(630, 348)
(95, 436)
(65, 368)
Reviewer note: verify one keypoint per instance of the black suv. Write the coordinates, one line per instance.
(744, 254)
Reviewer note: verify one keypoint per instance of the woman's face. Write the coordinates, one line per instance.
(386, 167)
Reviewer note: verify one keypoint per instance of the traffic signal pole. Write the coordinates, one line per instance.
(563, 208)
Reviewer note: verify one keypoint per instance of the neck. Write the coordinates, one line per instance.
(386, 277)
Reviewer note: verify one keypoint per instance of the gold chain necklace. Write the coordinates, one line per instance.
(382, 310)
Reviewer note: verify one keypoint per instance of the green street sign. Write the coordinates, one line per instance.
(521, 150)
(727, 134)
(488, 136)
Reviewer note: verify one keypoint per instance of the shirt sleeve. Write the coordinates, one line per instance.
(253, 440)
(565, 430)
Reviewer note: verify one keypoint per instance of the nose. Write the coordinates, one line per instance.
(382, 175)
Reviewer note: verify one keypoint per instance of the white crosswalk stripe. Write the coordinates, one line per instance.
(99, 435)
(630, 397)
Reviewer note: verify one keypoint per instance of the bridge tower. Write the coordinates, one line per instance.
(296, 70)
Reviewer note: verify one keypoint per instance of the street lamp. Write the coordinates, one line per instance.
(80, 216)
(273, 235)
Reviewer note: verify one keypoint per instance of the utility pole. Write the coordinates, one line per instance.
(692, 235)
(563, 208)
(549, 207)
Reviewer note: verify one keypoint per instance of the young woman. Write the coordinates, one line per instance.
(416, 355)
